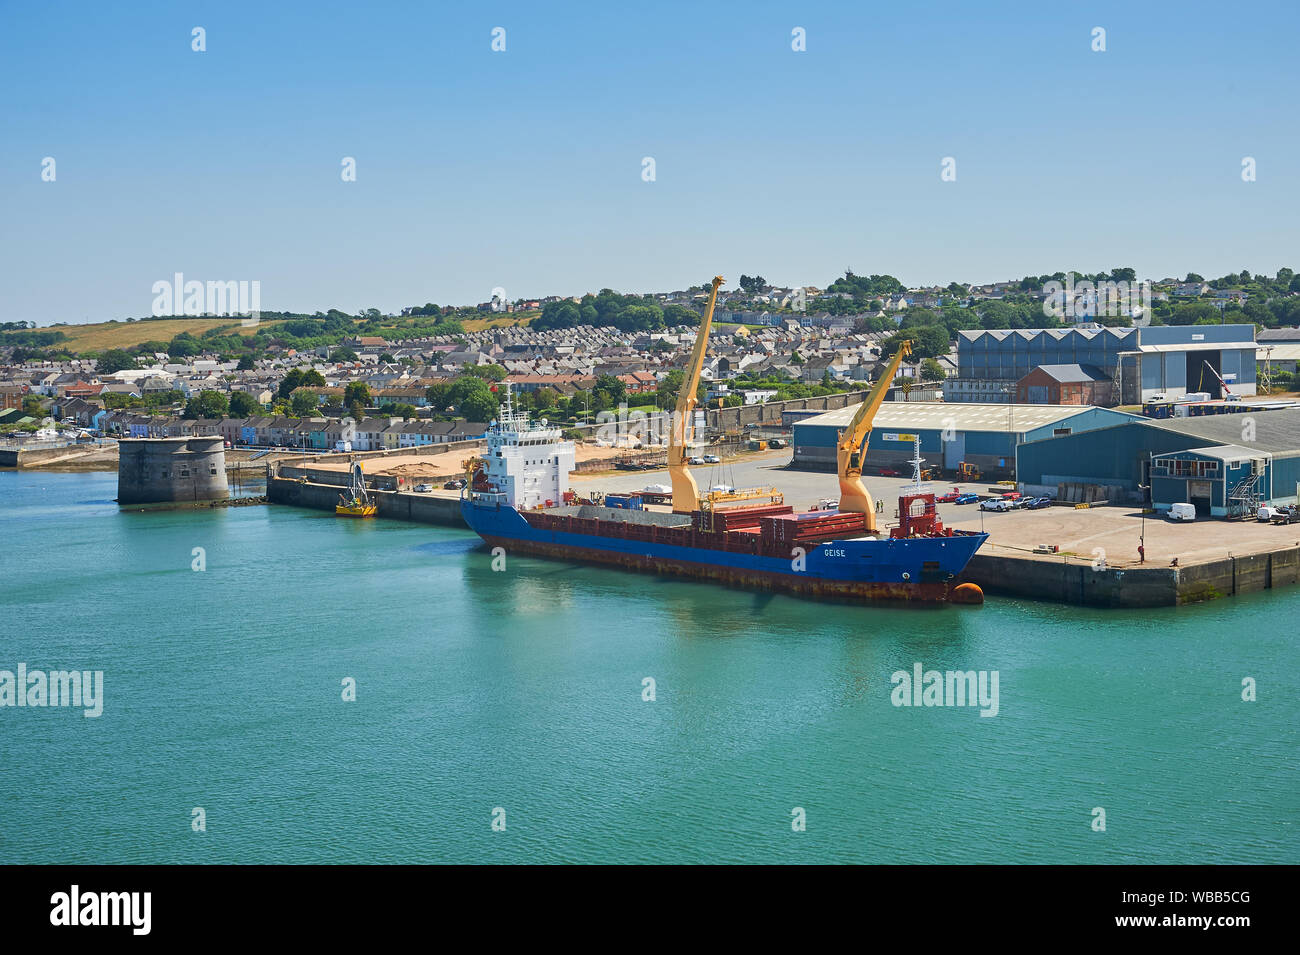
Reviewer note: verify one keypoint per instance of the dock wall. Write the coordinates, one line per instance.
(398, 505)
(1063, 580)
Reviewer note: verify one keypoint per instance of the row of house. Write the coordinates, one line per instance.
(321, 434)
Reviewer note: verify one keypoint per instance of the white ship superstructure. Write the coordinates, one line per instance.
(528, 464)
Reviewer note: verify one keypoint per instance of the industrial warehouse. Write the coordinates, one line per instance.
(1224, 465)
(982, 435)
(1135, 365)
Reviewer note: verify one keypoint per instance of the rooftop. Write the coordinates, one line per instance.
(1274, 431)
(965, 417)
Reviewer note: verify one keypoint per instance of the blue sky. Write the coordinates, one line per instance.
(522, 169)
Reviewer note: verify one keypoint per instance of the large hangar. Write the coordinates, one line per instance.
(984, 435)
(1223, 464)
(1141, 362)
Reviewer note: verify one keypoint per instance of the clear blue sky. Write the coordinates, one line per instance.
(522, 169)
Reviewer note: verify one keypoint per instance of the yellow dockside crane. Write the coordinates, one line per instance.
(853, 440)
(686, 493)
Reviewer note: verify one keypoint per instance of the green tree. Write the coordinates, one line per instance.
(207, 404)
(243, 405)
(931, 370)
(614, 389)
(291, 381)
(114, 360)
(438, 395)
(343, 353)
(487, 372)
(402, 410)
(356, 392)
(304, 403)
(246, 363)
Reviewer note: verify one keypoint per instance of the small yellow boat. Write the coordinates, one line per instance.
(357, 502)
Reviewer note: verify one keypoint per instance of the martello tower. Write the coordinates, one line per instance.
(155, 470)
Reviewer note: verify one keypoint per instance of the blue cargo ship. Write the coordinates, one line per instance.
(517, 500)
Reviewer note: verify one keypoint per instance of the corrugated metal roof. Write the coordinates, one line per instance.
(1199, 346)
(1220, 452)
(937, 415)
(1276, 431)
(1277, 350)
(1073, 373)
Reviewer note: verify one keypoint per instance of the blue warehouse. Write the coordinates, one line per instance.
(983, 435)
(1142, 362)
(1224, 465)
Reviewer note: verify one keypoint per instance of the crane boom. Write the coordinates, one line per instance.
(1227, 392)
(853, 495)
(686, 493)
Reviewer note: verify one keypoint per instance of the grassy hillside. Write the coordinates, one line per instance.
(102, 336)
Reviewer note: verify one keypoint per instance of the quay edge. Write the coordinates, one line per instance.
(1033, 577)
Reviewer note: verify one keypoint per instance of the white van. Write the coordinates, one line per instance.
(1266, 513)
(1182, 512)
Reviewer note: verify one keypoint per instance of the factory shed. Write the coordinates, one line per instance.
(1065, 385)
(983, 435)
(1223, 464)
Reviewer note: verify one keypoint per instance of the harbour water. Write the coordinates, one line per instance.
(523, 690)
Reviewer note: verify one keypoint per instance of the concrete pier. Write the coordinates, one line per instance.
(441, 509)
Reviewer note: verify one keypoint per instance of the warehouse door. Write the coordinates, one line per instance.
(1200, 378)
(1198, 495)
(954, 451)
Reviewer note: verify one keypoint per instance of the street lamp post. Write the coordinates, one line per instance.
(1142, 534)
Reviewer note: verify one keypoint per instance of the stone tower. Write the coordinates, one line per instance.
(156, 470)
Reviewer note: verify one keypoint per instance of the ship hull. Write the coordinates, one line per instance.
(912, 570)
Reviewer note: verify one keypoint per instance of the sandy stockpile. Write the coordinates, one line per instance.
(592, 452)
(429, 469)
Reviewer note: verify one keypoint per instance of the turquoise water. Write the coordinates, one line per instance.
(522, 690)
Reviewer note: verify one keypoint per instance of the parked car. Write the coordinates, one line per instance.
(423, 488)
(696, 460)
(1266, 513)
(455, 484)
(1286, 515)
(966, 498)
(1182, 512)
(712, 459)
(888, 472)
(1034, 503)
(776, 443)
(996, 504)
(949, 498)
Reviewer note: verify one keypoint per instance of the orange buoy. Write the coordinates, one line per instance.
(967, 594)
